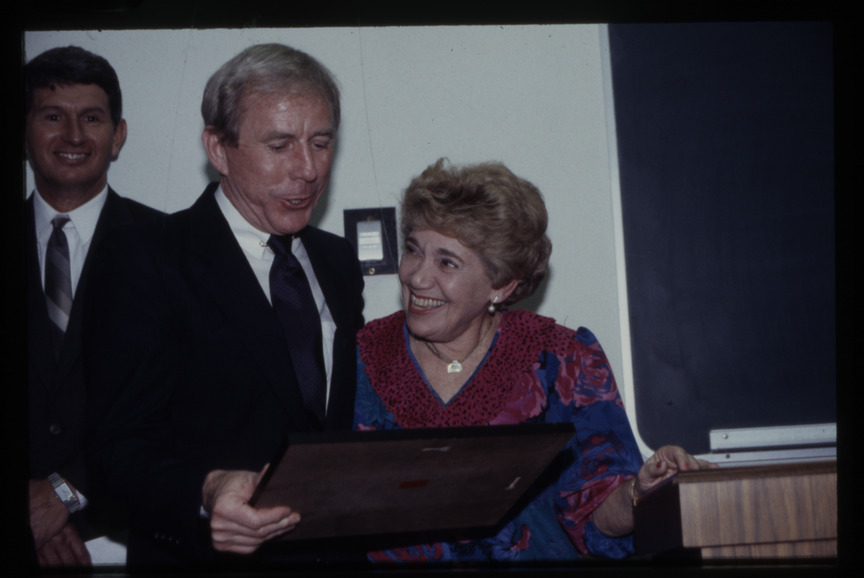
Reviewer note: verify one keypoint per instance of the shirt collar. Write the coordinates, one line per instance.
(251, 240)
(83, 218)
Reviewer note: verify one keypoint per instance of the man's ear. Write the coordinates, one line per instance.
(119, 138)
(215, 150)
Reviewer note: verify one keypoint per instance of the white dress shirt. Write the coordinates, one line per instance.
(260, 257)
(79, 231)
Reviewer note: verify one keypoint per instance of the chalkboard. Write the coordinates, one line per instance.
(726, 155)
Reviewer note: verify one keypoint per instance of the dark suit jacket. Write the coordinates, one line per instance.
(56, 389)
(197, 374)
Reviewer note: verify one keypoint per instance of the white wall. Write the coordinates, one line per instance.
(530, 96)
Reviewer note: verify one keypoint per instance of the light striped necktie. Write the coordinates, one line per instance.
(58, 280)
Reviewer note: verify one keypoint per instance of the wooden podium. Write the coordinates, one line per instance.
(778, 511)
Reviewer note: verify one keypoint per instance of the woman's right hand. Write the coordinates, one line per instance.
(665, 463)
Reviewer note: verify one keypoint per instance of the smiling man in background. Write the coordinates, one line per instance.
(73, 131)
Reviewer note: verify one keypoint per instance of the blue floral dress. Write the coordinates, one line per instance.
(534, 372)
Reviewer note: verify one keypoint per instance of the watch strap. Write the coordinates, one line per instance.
(64, 493)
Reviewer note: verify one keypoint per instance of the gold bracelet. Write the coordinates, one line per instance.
(633, 497)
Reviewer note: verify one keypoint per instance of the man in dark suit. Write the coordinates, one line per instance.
(73, 130)
(219, 362)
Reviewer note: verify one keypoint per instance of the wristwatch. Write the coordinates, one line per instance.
(64, 493)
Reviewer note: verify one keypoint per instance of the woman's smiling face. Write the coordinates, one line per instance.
(445, 288)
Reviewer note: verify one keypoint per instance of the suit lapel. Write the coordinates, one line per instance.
(38, 330)
(341, 308)
(113, 215)
(221, 267)
(333, 292)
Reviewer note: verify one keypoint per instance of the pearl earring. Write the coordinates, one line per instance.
(492, 305)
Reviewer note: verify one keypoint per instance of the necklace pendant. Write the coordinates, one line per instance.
(454, 367)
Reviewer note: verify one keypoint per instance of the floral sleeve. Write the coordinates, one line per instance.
(604, 451)
(572, 382)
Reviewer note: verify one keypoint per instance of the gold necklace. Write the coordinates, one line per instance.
(455, 366)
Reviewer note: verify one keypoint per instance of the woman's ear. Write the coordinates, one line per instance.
(503, 293)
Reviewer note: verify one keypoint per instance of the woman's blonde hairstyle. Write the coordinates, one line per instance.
(489, 210)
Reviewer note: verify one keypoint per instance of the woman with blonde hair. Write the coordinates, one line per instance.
(474, 243)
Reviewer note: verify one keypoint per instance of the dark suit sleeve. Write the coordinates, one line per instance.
(131, 349)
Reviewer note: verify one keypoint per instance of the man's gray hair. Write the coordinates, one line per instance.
(264, 69)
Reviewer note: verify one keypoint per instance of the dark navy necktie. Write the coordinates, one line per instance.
(297, 312)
